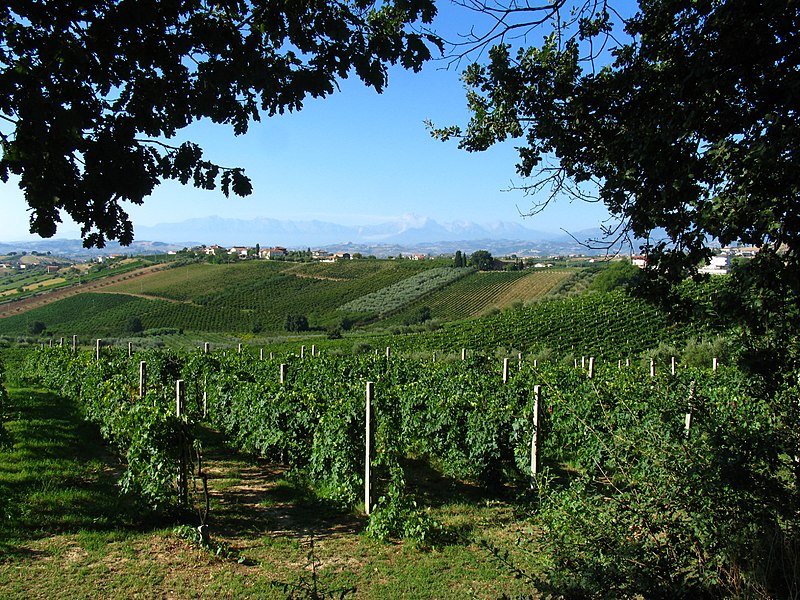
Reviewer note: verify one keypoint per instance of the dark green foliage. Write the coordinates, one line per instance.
(420, 315)
(36, 327)
(481, 260)
(460, 260)
(296, 323)
(135, 325)
(91, 92)
(619, 273)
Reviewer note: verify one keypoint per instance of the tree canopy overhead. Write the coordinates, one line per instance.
(92, 92)
(681, 117)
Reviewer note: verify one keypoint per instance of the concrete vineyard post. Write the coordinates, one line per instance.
(142, 379)
(283, 372)
(714, 364)
(591, 367)
(672, 365)
(537, 392)
(179, 398)
(74, 343)
(61, 342)
(183, 478)
(505, 371)
(130, 349)
(240, 349)
(463, 354)
(97, 349)
(313, 349)
(388, 352)
(261, 354)
(368, 448)
(302, 351)
(688, 421)
(206, 348)
(652, 367)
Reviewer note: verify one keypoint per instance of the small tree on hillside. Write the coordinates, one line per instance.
(296, 323)
(481, 260)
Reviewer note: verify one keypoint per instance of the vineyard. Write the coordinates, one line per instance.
(613, 325)
(248, 297)
(256, 296)
(474, 295)
(394, 297)
(619, 459)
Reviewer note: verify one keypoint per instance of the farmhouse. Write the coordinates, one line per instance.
(274, 252)
(214, 250)
(717, 266)
(240, 250)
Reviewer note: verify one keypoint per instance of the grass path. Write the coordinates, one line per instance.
(66, 532)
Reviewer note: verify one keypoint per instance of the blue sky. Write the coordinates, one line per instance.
(356, 157)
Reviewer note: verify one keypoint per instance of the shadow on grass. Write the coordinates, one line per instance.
(251, 498)
(56, 473)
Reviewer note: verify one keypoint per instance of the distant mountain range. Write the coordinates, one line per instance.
(404, 235)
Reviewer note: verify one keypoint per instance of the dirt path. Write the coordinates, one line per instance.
(22, 306)
(252, 498)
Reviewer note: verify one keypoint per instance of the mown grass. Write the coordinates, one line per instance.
(66, 531)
